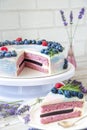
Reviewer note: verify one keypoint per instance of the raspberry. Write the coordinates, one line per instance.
(4, 48)
(58, 85)
(19, 39)
(44, 43)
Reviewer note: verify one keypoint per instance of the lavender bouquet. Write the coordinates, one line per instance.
(71, 32)
(14, 109)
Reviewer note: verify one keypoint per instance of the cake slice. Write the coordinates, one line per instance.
(63, 102)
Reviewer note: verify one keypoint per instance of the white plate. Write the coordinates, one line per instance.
(35, 122)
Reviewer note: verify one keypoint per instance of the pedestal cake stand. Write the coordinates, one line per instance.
(31, 83)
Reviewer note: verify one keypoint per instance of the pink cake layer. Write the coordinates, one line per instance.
(20, 69)
(49, 119)
(60, 106)
(37, 58)
(36, 67)
(34, 57)
(20, 59)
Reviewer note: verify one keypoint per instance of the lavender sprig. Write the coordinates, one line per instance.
(70, 33)
(14, 108)
(81, 13)
(65, 23)
(79, 84)
(80, 16)
(26, 118)
(26, 108)
(63, 18)
(71, 22)
(71, 17)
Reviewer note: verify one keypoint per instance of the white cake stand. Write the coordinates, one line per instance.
(31, 83)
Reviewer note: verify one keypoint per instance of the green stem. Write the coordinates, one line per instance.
(38, 100)
(75, 30)
(14, 102)
(67, 33)
(71, 41)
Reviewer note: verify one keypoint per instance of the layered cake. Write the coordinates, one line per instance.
(63, 102)
(44, 56)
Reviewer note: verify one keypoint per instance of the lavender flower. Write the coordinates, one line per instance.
(11, 111)
(70, 31)
(23, 109)
(63, 18)
(79, 84)
(81, 13)
(71, 17)
(7, 109)
(26, 118)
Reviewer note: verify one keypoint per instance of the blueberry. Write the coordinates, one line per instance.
(33, 41)
(80, 95)
(39, 42)
(56, 44)
(3, 52)
(8, 54)
(67, 93)
(26, 42)
(46, 52)
(13, 42)
(74, 93)
(16, 42)
(65, 66)
(49, 44)
(54, 90)
(29, 41)
(57, 47)
(60, 91)
(21, 42)
(13, 53)
(60, 48)
(43, 50)
(65, 61)
(1, 44)
(1, 55)
(6, 42)
(52, 45)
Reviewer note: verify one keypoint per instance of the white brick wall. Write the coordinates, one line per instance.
(35, 19)
(18, 4)
(9, 20)
(51, 4)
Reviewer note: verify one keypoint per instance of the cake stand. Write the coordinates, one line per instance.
(34, 84)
